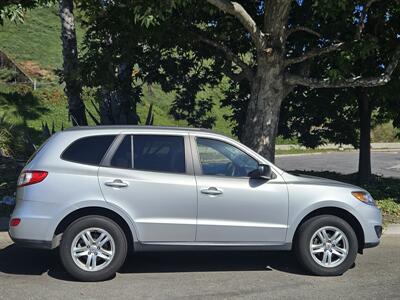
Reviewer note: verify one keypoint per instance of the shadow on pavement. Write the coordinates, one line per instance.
(215, 261)
(24, 261)
(4, 224)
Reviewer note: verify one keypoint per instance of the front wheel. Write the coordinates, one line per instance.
(93, 248)
(326, 245)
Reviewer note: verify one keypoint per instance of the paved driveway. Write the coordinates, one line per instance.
(384, 163)
(37, 274)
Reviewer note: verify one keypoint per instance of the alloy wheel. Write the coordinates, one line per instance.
(329, 246)
(93, 249)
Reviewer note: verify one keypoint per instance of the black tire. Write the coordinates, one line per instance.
(78, 226)
(303, 239)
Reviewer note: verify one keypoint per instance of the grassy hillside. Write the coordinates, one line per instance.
(35, 45)
(37, 39)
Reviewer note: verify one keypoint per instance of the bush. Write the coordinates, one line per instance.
(385, 133)
(8, 75)
(15, 140)
(9, 171)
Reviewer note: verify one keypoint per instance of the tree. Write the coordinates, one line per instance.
(347, 115)
(271, 47)
(14, 10)
(118, 58)
(71, 72)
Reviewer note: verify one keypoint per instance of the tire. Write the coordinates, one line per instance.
(107, 248)
(311, 236)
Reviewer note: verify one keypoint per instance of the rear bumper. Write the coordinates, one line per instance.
(33, 243)
(37, 221)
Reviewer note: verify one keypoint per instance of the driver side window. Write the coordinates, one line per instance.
(218, 158)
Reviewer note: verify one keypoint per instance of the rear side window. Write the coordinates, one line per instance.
(151, 153)
(89, 150)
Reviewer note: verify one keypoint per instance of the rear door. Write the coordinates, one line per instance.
(151, 177)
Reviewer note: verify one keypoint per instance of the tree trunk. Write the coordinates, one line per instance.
(262, 116)
(118, 105)
(364, 163)
(128, 113)
(73, 87)
(267, 87)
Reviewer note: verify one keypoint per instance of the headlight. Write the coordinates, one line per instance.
(364, 197)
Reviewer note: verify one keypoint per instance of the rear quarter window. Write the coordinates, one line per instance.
(88, 150)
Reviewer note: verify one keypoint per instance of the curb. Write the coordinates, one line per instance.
(392, 229)
(329, 151)
(4, 240)
(305, 153)
(374, 146)
(4, 237)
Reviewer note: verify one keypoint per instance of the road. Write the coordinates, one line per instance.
(37, 274)
(383, 163)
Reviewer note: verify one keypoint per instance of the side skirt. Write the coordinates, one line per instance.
(206, 246)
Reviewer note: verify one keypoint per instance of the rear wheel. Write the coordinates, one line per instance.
(93, 248)
(326, 245)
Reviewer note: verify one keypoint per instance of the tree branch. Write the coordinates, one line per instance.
(237, 10)
(350, 82)
(302, 28)
(229, 55)
(312, 54)
(235, 76)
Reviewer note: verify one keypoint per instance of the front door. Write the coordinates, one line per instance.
(149, 177)
(231, 206)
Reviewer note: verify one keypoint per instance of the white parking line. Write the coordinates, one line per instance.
(395, 167)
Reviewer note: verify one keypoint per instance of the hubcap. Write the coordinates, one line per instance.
(93, 249)
(329, 246)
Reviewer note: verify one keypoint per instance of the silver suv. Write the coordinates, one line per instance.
(98, 192)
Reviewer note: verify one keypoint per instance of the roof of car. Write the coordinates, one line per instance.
(128, 127)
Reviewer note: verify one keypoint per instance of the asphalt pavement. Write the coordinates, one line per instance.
(385, 163)
(38, 274)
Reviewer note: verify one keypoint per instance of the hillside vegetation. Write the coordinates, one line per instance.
(35, 45)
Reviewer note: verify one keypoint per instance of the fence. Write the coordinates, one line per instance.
(21, 76)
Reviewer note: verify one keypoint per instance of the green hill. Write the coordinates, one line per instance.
(36, 46)
(37, 39)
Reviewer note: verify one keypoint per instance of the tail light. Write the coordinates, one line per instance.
(15, 222)
(31, 177)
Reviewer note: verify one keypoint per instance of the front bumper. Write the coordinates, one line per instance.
(371, 245)
(372, 225)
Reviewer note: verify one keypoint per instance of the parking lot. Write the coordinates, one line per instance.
(37, 274)
(384, 163)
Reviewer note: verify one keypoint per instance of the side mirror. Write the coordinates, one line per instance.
(262, 172)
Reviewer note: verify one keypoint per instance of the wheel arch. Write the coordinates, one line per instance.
(341, 213)
(99, 211)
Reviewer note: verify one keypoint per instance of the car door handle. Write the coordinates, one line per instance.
(211, 191)
(116, 183)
